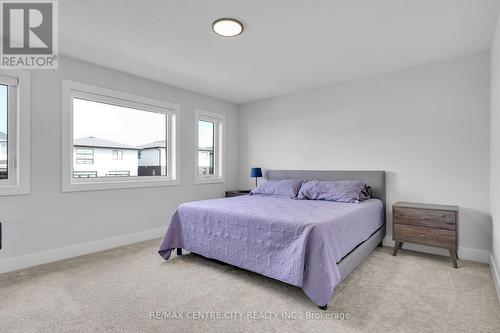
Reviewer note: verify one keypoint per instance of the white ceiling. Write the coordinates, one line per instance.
(287, 46)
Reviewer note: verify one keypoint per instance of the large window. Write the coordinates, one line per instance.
(210, 147)
(112, 137)
(14, 133)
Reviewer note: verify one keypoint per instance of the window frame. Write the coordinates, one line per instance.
(219, 121)
(18, 133)
(71, 90)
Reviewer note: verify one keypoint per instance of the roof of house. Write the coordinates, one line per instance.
(3, 136)
(91, 141)
(156, 144)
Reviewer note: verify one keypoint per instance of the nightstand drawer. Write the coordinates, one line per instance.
(424, 235)
(425, 218)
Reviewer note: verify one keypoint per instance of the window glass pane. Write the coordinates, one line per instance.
(206, 133)
(3, 130)
(109, 139)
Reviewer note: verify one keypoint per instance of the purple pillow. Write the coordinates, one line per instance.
(351, 191)
(287, 188)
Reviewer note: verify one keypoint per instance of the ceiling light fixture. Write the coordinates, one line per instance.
(227, 27)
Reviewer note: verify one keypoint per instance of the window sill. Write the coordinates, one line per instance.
(209, 180)
(6, 190)
(114, 185)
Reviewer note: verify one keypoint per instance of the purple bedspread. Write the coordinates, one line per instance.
(295, 241)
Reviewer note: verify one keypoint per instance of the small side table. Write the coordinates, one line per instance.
(426, 224)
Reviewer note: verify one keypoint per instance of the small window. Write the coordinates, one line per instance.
(117, 154)
(14, 133)
(210, 147)
(84, 156)
(107, 130)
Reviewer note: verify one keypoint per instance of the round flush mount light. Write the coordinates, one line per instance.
(227, 27)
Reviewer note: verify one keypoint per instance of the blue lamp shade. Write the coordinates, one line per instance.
(256, 172)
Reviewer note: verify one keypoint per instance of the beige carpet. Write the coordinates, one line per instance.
(116, 290)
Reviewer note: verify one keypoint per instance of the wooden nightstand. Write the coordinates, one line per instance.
(426, 224)
(230, 194)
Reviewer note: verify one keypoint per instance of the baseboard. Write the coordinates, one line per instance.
(496, 275)
(12, 264)
(466, 253)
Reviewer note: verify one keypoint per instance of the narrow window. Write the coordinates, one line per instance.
(206, 150)
(4, 106)
(210, 147)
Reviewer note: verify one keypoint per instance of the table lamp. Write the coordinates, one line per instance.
(256, 172)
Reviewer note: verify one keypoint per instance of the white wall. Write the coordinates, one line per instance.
(428, 127)
(495, 154)
(48, 219)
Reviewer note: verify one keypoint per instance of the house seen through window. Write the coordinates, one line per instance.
(209, 153)
(206, 152)
(117, 141)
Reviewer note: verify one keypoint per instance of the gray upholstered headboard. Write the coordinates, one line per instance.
(374, 179)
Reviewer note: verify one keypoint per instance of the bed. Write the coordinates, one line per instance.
(311, 244)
